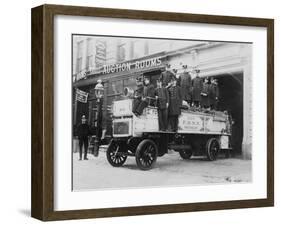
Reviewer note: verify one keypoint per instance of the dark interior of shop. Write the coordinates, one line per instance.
(231, 99)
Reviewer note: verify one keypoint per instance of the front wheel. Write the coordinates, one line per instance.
(114, 154)
(212, 149)
(185, 154)
(146, 154)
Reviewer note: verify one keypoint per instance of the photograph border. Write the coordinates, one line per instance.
(42, 168)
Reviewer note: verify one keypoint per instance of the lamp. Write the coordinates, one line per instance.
(99, 90)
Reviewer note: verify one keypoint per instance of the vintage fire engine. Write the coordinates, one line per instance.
(199, 133)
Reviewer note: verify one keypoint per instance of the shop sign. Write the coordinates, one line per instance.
(81, 96)
(127, 66)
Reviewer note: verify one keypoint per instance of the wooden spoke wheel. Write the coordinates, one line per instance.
(146, 154)
(186, 154)
(212, 149)
(115, 154)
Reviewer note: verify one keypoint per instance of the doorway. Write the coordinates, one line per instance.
(231, 99)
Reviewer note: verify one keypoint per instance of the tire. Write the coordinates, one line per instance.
(185, 154)
(212, 149)
(146, 154)
(114, 155)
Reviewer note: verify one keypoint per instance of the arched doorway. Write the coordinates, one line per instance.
(231, 99)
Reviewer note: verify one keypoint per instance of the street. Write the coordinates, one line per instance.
(169, 170)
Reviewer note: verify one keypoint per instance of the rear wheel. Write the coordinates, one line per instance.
(115, 154)
(146, 154)
(212, 149)
(186, 154)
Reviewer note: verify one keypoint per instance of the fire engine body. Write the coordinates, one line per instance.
(199, 133)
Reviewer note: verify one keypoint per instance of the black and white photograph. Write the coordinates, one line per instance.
(151, 112)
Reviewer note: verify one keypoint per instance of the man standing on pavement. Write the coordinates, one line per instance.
(83, 131)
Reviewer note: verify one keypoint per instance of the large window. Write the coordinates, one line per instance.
(79, 56)
(90, 53)
(79, 65)
(130, 83)
(117, 87)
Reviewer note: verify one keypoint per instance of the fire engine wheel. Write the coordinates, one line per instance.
(146, 154)
(186, 154)
(212, 149)
(114, 154)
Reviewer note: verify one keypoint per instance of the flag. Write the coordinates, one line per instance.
(81, 96)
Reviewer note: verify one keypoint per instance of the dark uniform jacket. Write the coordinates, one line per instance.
(214, 93)
(175, 100)
(197, 85)
(163, 98)
(185, 84)
(166, 77)
(83, 130)
(138, 92)
(148, 93)
(205, 94)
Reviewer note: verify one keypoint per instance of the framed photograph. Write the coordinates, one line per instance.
(141, 112)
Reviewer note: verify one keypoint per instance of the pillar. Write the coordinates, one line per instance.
(247, 103)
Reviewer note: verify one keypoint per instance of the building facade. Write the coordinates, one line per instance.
(118, 61)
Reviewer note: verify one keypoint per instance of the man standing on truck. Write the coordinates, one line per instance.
(138, 94)
(167, 76)
(148, 97)
(214, 94)
(205, 94)
(83, 131)
(175, 102)
(185, 85)
(162, 98)
(197, 85)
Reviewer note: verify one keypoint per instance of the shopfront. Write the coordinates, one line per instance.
(115, 78)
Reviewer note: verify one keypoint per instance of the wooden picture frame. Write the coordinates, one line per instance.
(42, 203)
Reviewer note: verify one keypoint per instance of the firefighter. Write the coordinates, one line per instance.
(205, 94)
(148, 97)
(214, 94)
(83, 131)
(167, 76)
(162, 97)
(138, 94)
(175, 101)
(197, 85)
(185, 85)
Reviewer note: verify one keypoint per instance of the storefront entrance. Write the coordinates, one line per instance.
(231, 99)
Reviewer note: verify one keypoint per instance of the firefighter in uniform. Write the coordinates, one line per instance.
(148, 97)
(205, 103)
(162, 98)
(197, 85)
(83, 131)
(138, 94)
(185, 85)
(167, 76)
(175, 101)
(214, 94)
